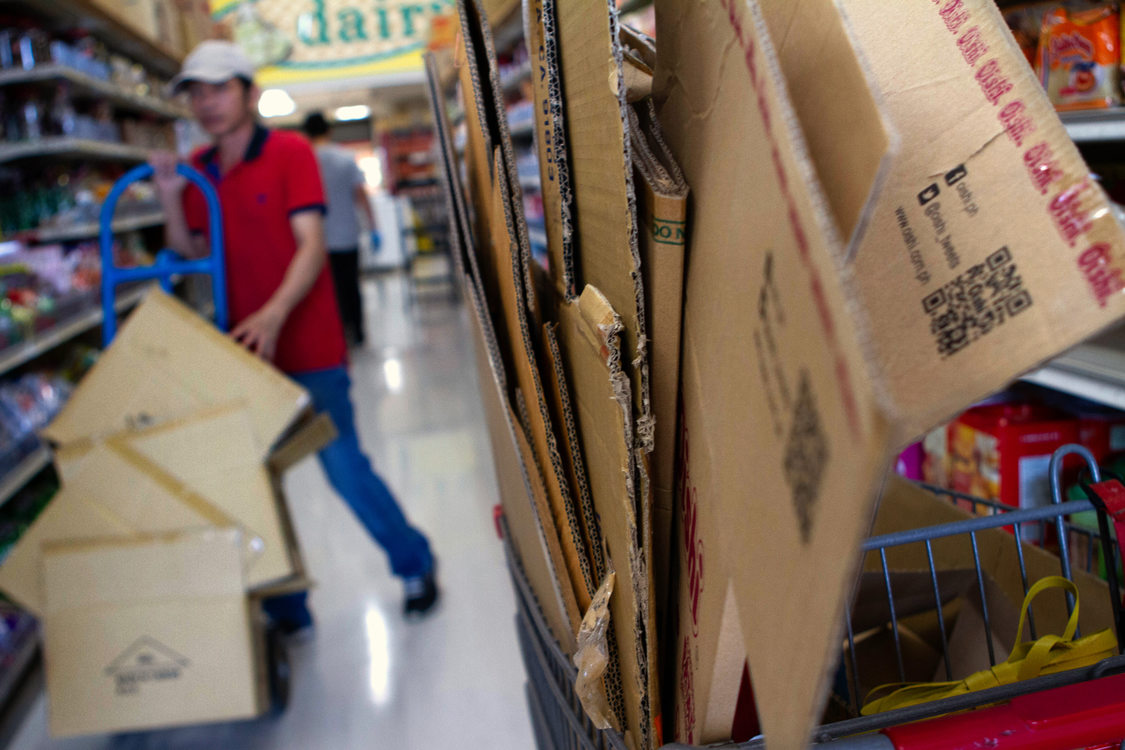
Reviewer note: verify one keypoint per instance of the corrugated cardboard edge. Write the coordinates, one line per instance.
(550, 122)
(589, 516)
(314, 433)
(637, 340)
(665, 202)
(592, 325)
(559, 603)
(486, 90)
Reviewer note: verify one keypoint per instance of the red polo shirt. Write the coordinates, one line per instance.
(278, 177)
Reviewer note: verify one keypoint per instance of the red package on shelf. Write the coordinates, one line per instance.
(1002, 452)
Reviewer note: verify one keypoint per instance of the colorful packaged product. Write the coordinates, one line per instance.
(1002, 452)
(1079, 57)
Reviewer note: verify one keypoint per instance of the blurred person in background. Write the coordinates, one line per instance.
(346, 199)
(279, 289)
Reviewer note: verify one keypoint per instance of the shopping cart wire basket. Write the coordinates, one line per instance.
(1087, 705)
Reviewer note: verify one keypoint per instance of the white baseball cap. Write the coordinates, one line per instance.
(213, 61)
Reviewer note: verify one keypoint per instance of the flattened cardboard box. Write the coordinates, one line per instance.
(169, 362)
(991, 248)
(528, 520)
(784, 441)
(150, 633)
(137, 495)
(214, 454)
(987, 236)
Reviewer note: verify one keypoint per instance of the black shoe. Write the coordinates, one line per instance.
(421, 595)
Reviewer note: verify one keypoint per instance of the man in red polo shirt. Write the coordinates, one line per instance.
(282, 302)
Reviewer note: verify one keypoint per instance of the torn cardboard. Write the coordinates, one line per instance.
(512, 265)
(608, 254)
(784, 440)
(589, 333)
(146, 634)
(991, 248)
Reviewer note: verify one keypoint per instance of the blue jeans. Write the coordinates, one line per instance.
(349, 471)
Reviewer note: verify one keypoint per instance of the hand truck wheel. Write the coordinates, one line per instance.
(277, 666)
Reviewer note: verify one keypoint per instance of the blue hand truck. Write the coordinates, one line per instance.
(169, 265)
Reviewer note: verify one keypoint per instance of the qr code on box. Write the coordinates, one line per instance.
(976, 302)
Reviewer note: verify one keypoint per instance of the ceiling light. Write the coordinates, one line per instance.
(276, 103)
(353, 112)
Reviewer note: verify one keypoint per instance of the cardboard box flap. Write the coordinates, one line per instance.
(833, 93)
(100, 573)
(69, 516)
(152, 634)
(991, 248)
(784, 439)
(214, 455)
(310, 436)
(167, 361)
(530, 522)
(513, 265)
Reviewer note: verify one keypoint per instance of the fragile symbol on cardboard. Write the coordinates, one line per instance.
(147, 660)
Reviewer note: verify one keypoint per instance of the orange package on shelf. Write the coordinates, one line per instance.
(1079, 57)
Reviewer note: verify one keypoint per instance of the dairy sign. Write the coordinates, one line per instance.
(296, 41)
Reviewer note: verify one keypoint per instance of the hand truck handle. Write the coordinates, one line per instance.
(168, 264)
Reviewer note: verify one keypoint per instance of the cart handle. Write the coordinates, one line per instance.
(168, 263)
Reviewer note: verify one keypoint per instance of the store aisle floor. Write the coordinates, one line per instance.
(368, 679)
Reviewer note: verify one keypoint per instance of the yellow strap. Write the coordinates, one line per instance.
(1029, 659)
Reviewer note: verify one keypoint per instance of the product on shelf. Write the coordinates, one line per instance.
(54, 197)
(1080, 57)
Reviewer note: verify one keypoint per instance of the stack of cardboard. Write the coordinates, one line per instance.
(884, 228)
(169, 526)
(569, 350)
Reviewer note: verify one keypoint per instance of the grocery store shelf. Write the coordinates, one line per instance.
(90, 85)
(22, 353)
(1095, 126)
(1094, 371)
(17, 478)
(92, 229)
(92, 16)
(72, 147)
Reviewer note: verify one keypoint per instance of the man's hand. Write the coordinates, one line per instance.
(169, 184)
(259, 332)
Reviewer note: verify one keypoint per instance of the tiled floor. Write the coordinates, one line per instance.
(368, 679)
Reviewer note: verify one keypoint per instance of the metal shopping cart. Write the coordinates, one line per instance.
(1081, 708)
(168, 268)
